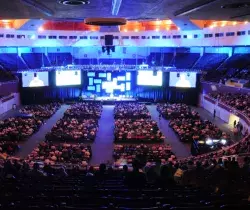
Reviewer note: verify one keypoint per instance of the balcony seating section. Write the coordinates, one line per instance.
(35, 60)
(236, 61)
(110, 61)
(155, 59)
(167, 58)
(185, 60)
(6, 76)
(85, 61)
(210, 61)
(11, 61)
(60, 59)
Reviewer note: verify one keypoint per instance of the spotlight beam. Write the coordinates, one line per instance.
(194, 7)
(39, 7)
(116, 4)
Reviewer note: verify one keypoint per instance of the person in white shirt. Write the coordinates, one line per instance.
(183, 82)
(36, 82)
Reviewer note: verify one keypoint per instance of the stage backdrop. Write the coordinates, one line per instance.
(102, 83)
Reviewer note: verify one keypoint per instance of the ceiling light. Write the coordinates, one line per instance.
(7, 27)
(41, 29)
(246, 22)
(125, 30)
(234, 23)
(74, 2)
(136, 30)
(5, 21)
(157, 29)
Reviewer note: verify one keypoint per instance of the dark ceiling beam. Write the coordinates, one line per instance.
(193, 7)
(39, 7)
(116, 4)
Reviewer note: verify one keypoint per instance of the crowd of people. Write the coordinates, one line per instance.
(52, 154)
(126, 154)
(8, 148)
(18, 129)
(91, 110)
(70, 129)
(44, 111)
(6, 76)
(131, 111)
(188, 125)
(240, 102)
(137, 130)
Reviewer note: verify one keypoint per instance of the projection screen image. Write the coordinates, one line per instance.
(182, 79)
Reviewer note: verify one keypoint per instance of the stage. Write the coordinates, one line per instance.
(110, 100)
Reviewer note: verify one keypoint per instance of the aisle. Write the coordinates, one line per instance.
(102, 148)
(32, 142)
(180, 149)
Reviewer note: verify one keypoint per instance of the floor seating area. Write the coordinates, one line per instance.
(52, 154)
(11, 61)
(60, 59)
(44, 111)
(79, 124)
(126, 154)
(188, 125)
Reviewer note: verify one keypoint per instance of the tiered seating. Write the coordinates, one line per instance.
(185, 60)
(236, 61)
(79, 124)
(240, 102)
(154, 59)
(11, 61)
(41, 111)
(35, 60)
(53, 154)
(167, 58)
(6, 76)
(210, 61)
(60, 59)
(85, 61)
(212, 185)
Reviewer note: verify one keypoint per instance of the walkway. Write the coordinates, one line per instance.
(206, 115)
(32, 142)
(180, 149)
(103, 146)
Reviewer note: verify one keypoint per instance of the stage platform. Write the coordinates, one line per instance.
(110, 100)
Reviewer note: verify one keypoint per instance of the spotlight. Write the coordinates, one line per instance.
(40, 29)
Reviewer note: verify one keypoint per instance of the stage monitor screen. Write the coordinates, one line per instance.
(182, 79)
(64, 78)
(149, 78)
(35, 79)
(91, 74)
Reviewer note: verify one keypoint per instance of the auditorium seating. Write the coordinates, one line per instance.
(210, 61)
(236, 61)
(60, 59)
(11, 61)
(167, 58)
(35, 60)
(6, 76)
(184, 60)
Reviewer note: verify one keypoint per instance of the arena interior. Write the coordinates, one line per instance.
(125, 105)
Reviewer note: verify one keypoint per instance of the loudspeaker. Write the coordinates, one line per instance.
(109, 40)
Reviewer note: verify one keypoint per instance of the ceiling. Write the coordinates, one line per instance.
(130, 9)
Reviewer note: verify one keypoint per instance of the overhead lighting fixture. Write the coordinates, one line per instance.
(246, 22)
(157, 29)
(74, 2)
(136, 30)
(41, 29)
(7, 27)
(5, 21)
(39, 7)
(194, 7)
(234, 23)
(125, 30)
